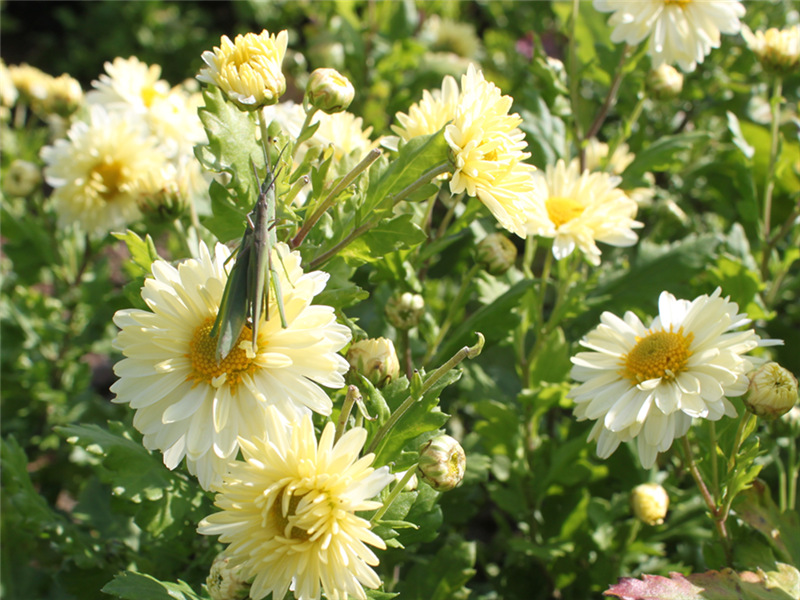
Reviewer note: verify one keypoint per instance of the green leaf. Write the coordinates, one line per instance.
(661, 155)
(496, 319)
(137, 586)
(413, 160)
(738, 138)
(398, 233)
(781, 530)
(134, 472)
(143, 251)
(444, 576)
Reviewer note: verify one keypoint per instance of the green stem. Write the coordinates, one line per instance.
(744, 424)
(793, 472)
(305, 130)
(609, 101)
(541, 329)
(775, 105)
(330, 199)
(464, 353)
(454, 306)
(778, 277)
(451, 210)
(394, 494)
(572, 66)
(353, 396)
(714, 461)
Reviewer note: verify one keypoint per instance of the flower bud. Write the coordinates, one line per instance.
(404, 311)
(772, 392)
(778, 50)
(665, 82)
(375, 359)
(496, 253)
(64, 96)
(649, 502)
(442, 463)
(329, 91)
(22, 178)
(224, 582)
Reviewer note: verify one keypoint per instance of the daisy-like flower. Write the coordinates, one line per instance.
(96, 169)
(431, 113)
(579, 209)
(648, 383)
(248, 70)
(777, 49)
(596, 158)
(187, 403)
(288, 512)
(488, 152)
(681, 31)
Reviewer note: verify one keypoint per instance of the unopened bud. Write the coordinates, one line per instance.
(22, 178)
(224, 582)
(649, 502)
(405, 310)
(442, 463)
(375, 359)
(64, 96)
(772, 392)
(665, 82)
(496, 253)
(329, 90)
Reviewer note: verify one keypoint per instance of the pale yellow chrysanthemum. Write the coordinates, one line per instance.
(95, 170)
(446, 35)
(488, 152)
(648, 383)
(431, 113)
(596, 159)
(289, 512)
(248, 70)
(31, 83)
(345, 133)
(130, 85)
(681, 31)
(64, 96)
(187, 403)
(776, 49)
(8, 91)
(579, 209)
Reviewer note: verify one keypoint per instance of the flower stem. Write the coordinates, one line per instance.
(609, 101)
(353, 396)
(464, 353)
(345, 181)
(394, 494)
(775, 105)
(745, 423)
(572, 66)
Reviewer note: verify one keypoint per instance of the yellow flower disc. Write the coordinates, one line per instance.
(661, 354)
(563, 210)
(203, 354)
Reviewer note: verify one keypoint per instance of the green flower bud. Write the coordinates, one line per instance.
(404, 311)
(496, 253)
(665, 82)
(224, 582)
(22, 178)
(649, 502)
(329, 91)
(375, 359)
(442, 463)
(772, 392)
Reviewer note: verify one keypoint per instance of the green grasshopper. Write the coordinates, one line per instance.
(253, 274)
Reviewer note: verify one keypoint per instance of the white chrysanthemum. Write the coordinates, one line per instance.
(289, 512)
(488, 152)
(8, 91)
(344, 132)
(648, 383)
(187, 403)
(96, 169)
(596, 158)
(431, 113)
(248, 69)
(777, 49)
(579, 209)
(681, 31)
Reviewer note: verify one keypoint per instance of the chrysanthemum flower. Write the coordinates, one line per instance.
(648, 383)
(187, 403)
(248, 70)
(579, 209)
(345, 133)
(681, 31)
(488, 152)
(596, 158)
(288, 512)
(95, 171)
(431, 113)
(777, 49)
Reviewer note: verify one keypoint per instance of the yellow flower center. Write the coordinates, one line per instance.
(150, 94)
(287, 524)
(106, 179)
(680, 3)
(661, 354)
(203, 354)
(563, 210)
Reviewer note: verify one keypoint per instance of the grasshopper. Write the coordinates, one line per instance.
(246, 292)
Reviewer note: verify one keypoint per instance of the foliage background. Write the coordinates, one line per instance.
(538, 515)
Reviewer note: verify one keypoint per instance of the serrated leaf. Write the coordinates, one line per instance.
(134, 472)
(712, 585)
(399, 233)
(143, 251)
(136, 586)
(782, 530)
